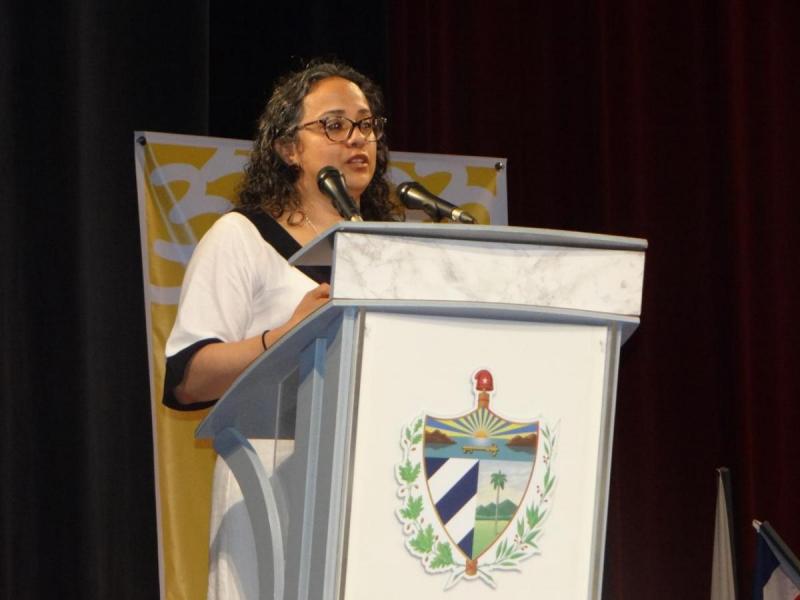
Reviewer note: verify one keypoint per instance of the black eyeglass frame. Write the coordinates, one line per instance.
(353, 124)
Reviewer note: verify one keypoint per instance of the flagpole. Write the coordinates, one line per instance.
(724, 585)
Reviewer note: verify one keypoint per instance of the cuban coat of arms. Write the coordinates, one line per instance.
(475, 488)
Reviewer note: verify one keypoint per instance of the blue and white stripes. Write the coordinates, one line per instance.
(453, 484)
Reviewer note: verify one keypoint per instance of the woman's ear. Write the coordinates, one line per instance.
(287, 149)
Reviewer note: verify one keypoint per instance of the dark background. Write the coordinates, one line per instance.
(672, 121)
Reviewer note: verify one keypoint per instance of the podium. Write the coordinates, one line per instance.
(452, 411)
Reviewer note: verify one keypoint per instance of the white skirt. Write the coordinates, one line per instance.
(232, 569)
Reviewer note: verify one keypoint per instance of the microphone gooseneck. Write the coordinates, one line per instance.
(413, 195)
(331, 183)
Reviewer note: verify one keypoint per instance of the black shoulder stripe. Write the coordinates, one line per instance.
(279, 238)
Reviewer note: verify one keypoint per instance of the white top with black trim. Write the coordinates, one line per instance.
(238, 284)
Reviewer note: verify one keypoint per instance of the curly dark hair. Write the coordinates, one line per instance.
(269, 183)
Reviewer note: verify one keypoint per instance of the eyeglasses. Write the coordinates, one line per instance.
(340, 129)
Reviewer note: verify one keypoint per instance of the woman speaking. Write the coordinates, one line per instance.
(240, 295)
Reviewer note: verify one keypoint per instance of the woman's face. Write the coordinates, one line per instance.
(312, 151)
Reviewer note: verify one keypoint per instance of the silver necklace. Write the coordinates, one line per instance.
(308, 222)
(299, 219)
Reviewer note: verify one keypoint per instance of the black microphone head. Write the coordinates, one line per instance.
(324, 177)
(331, 183)
(411, 197)
(402, 189)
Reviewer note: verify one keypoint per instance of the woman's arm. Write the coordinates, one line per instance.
(216, 366)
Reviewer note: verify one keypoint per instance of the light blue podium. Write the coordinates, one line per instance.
(416, 311)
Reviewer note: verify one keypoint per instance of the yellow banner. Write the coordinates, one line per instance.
(184, 184)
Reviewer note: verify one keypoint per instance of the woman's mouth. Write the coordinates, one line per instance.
(358, 160)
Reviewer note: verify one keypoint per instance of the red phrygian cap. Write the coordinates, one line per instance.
(484, 381)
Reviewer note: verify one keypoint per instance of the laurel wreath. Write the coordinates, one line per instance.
(421, 539)
(436, 554)
(524, 544)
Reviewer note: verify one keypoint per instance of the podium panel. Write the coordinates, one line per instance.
(551, 375)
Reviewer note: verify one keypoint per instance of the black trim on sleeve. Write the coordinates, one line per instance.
(176, 369)
(280, 239)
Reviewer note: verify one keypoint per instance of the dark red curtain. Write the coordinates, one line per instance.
(676, 122)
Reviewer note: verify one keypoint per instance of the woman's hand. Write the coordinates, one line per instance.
(310, 302)
(216, 366)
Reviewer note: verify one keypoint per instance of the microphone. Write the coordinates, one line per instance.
(331, 183)
(414, 196)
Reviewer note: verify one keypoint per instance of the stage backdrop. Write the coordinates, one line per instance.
(184, 184)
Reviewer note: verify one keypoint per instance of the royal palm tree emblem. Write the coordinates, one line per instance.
(498, 481)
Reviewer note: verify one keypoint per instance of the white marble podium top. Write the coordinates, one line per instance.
(402, 268)
(464, 263)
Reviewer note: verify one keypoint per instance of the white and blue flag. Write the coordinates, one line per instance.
(777, 574)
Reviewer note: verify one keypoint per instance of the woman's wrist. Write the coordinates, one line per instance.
(264, 340)
(271, 336)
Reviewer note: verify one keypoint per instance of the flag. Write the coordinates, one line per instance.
(723, 565)
(777, 574)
